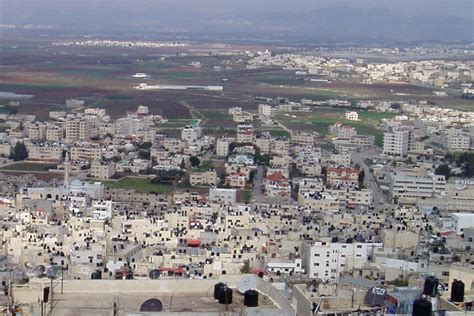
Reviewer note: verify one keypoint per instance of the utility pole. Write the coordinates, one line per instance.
(51, 300)
(62, 279)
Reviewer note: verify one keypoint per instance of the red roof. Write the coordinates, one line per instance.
(174, 270)
(277, 176)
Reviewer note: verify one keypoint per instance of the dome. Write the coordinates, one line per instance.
(76, 184)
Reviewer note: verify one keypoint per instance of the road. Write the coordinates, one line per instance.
(358, 158)
(257, 182)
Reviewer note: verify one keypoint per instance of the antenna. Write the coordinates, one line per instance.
(246, 283)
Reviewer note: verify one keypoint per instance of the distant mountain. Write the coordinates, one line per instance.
(241, 20)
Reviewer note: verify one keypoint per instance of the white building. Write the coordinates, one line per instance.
(411, 187)
(222, 146)
(223, 196)
(191, 133)
(352, 116)
(396, 143)
(462, 221)
(267, 110)
(326, 260)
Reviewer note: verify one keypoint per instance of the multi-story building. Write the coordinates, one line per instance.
(397, 143)
(203, 178)
(267, 110)
(222, 146)
(102, 170)
(191, 133)
(86, 151)
(326, 260)
(456, 140)
(44, 151)
(409, 188)
(35, 131)
(245, 133)
(302, 138)
(78, 128)
(54, 132)
(224, 196)
(342, 176)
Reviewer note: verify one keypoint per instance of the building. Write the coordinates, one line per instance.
(326, 260)
(191, 133)
(456, 140)
(245, 133)
(86, 151)
(267, 110)
(352, 116)
(203, 178)
(462, 221)
(222, 146)
(102, 170)
(79, 129)
(408, 188)
(397, 143)
(224, 196)
(342, 176)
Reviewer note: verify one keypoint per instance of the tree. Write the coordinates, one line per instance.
(361, 177)
(19, 152)
(183, 164)
(466, 162)
(443, 170)
(195, 162)
(246, 268)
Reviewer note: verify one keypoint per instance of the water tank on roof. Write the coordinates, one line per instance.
(422, 307)
(251, 298)
(225, 296)
(457, 291)
(431, 286)
(217, 288)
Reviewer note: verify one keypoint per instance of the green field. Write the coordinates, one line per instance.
(204, 166)
(141, 185)
(320, 121)
(176, 123)
(29, 166)
(215, 115)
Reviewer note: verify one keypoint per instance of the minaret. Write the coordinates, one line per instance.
(66, 170)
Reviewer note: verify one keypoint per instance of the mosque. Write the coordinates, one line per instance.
(69, 188)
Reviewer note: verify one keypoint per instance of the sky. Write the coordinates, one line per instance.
(345, 20)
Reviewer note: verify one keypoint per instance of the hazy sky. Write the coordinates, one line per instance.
(349, 19)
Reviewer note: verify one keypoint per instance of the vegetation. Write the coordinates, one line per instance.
(195, 162)
(141, 185)
(29, 166)
(443, 170)
(19, 152)
(466, 162)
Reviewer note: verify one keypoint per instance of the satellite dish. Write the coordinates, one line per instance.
(151, 305)
(38, 271)
(53, 272)
(246, 283)
(154, 274)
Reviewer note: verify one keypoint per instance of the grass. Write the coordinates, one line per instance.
(279, 132)
(323, 118)
(29, 166)
(140, 185)
(204, 166)
(176, 123)
(215, 115)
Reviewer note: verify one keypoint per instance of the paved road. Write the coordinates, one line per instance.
(358, 158)
(257, 183)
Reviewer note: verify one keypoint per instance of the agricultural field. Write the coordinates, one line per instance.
(29, 167)
(141, 185)
(320, 120)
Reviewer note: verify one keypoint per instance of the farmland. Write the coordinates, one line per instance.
(141, 185)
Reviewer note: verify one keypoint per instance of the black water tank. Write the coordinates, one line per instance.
(422, 307)
(225, 296)
(457, 291)
(251, 298)
(431, 286)
(217, 288)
